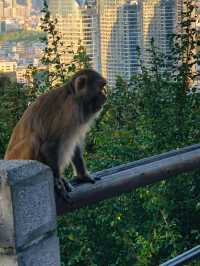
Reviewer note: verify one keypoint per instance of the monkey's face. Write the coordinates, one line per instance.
(90, 91)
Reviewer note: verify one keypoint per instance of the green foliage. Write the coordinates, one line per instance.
(152, 224)
(55, 71)
(21, 36)
(13, 100)
(150, 114)
(184, 49)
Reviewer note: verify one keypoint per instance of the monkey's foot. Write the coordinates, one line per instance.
(63, 185)
(63, 188)
(85, 179)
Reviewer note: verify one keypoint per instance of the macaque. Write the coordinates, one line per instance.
(53, 128)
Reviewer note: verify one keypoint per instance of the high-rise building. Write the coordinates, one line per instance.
(2, 6)
(78, 20)
(29, 6)
(7, 66)
(179, 9)
(111, 30)
(90, 28)
(2, 26)
(120, 35)
(14, 8)
(126, 24)
(159, 21)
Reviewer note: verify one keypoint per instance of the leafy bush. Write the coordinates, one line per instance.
(152, 113)
(14, 100)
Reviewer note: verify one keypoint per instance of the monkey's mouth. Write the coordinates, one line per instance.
(99, 101)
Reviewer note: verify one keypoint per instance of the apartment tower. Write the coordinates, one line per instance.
(78, 20)
(119, 36)
(111, 30)
(159, 20)
(2, 6)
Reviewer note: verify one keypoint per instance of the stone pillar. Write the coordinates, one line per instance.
(27, 215)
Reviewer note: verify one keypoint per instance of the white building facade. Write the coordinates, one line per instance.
(111, 30)
(78, 20)
(159, 21)
(120, 35)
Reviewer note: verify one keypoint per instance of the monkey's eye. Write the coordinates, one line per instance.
(104, 84)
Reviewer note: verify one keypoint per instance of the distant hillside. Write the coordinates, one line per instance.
(21, 36)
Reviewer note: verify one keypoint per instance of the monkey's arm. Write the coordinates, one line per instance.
(49, 155)
(80, 168)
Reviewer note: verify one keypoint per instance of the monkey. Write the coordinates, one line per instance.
(53, 128)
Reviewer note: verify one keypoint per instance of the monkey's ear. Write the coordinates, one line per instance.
(80, 83)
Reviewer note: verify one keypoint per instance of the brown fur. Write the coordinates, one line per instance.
(39, 122)
(55, 124)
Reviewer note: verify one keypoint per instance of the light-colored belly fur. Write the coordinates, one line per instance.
(66, 150)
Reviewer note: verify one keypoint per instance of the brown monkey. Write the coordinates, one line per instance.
(52, 129)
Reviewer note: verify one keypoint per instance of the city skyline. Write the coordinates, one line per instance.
(110, 31)
(116, 28)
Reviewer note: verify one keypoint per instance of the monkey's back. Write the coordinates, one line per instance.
(41, 121)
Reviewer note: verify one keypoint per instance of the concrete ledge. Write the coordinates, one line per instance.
(27, 215)
(44, 252)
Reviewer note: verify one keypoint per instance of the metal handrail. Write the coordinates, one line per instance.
(184, 258)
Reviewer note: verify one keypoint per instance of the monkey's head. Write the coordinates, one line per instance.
(89, 91)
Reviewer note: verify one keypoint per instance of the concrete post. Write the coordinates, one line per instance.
(27, 215)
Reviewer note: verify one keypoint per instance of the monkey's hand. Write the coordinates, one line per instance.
(86, 179)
